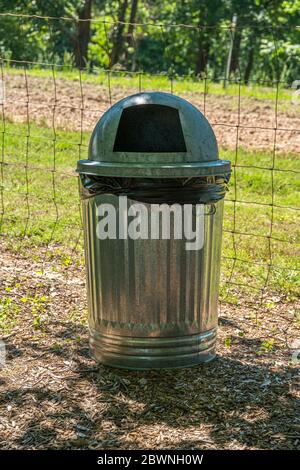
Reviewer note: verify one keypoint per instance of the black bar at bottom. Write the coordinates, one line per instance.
(136, 459)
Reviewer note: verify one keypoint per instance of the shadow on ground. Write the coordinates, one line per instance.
(57, 398)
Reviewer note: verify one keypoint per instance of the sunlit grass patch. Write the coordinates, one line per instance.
(140, 81)
(41, 206)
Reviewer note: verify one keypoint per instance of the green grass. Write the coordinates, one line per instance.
(41, 206)
(9, 311)
(159, 82)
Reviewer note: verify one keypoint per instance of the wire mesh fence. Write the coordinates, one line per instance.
(49, 110)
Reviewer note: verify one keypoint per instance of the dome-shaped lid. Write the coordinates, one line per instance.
(153, 135)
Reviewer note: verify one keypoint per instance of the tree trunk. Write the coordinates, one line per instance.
(129, 36)
(250, 59)
(234, 64)
(203, 51)
(83, 34)
(118, 40)
(133, 12)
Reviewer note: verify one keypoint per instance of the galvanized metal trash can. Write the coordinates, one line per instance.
(152, 302)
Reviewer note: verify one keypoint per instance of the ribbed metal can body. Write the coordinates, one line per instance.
(152, 303)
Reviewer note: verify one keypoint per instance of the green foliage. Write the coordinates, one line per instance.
(266, 347)
(9, 310)
(100, 45)
(266, 43)
(37, 39)
(39, 308)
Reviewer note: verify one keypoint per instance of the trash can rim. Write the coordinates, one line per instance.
(157, 170)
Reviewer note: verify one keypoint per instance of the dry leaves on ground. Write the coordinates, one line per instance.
(54, 396)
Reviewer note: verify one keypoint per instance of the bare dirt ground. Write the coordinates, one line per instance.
(64, 104)
(54, 396)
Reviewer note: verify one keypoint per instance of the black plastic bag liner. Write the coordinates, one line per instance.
(195, 190)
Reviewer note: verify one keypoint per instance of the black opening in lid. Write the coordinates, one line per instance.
(149, 128)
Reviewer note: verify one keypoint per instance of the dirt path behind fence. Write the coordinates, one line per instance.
(66, 105)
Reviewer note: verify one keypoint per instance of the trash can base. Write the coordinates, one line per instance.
(153, 353)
